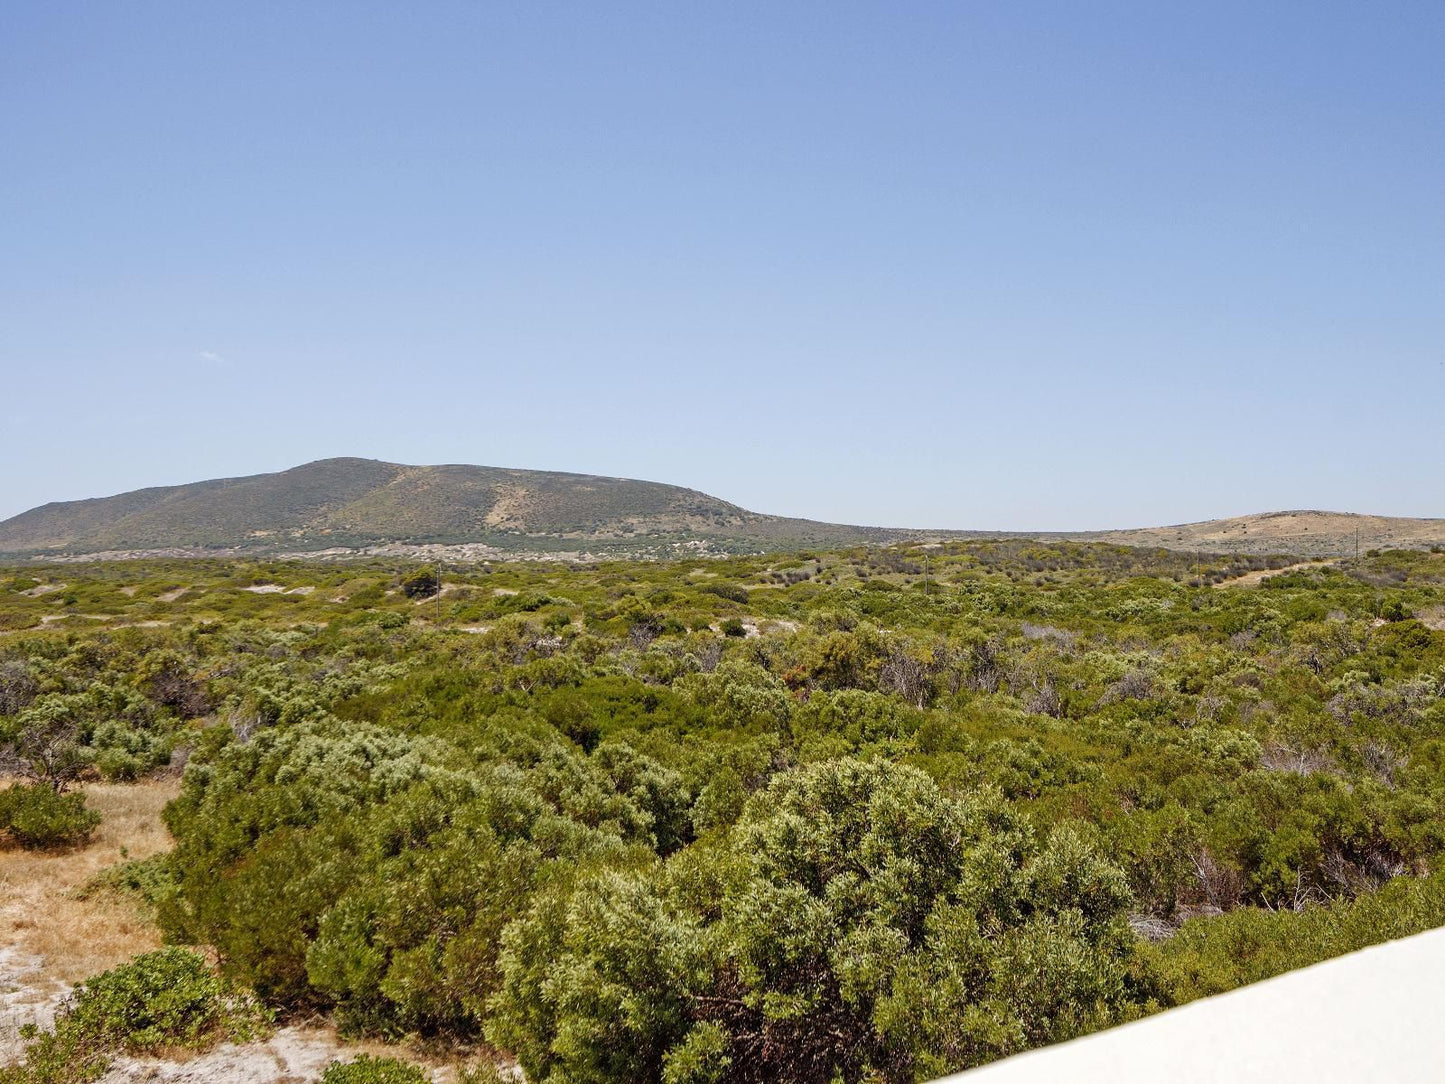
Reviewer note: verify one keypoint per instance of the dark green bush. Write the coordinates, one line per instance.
(730, 591)
(147, 880)
(856, 924)
(422, 583)
(40, 818)
(1210, 956)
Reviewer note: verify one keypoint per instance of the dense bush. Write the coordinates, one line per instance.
(857, 923)
(40, 818)
(422, 583)
(730, 591)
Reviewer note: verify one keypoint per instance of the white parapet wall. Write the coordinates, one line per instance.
(1374, 1015)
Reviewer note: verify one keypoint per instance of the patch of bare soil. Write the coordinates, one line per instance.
(26, 997)
(290, 1056)
(45, 589)
(1254, 579)
(511, 506)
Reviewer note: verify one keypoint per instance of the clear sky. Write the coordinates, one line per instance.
(975, 265)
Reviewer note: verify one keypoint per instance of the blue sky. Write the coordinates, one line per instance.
(976, 265)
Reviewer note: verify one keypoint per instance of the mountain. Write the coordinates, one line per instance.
(363, 502)
(357, 504)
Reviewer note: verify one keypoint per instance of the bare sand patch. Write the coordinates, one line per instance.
(45, 589)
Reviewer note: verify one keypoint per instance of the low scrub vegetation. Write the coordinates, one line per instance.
(372, 1070)
(631, 822)
(160, 1001)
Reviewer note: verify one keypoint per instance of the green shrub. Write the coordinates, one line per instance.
(1211, 955)
(730, 591)
(869, 925)
(168, 998)
(124, 754)
(39, 818)
(423, 583)
(147, 880)
(163, 998)
(733, 627)
(369, 1070)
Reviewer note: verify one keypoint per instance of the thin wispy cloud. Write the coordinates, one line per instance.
(210, 357)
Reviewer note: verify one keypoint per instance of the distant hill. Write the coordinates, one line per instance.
(1307, 533)
(364, 504)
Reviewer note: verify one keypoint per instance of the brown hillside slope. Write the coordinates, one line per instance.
(1307, 533)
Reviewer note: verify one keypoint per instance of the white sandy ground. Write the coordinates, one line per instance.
(1373, 1015)
(25, 998)
(291, 1054)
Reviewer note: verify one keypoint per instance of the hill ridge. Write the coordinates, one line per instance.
(353, 503)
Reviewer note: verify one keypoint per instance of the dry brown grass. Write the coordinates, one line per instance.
(1307, 533)
(39, 912)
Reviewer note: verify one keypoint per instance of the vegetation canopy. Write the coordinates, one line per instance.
(809, 817)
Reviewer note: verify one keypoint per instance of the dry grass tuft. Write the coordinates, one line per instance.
(39, 914)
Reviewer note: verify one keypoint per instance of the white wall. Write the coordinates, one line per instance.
(1375, 1015)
